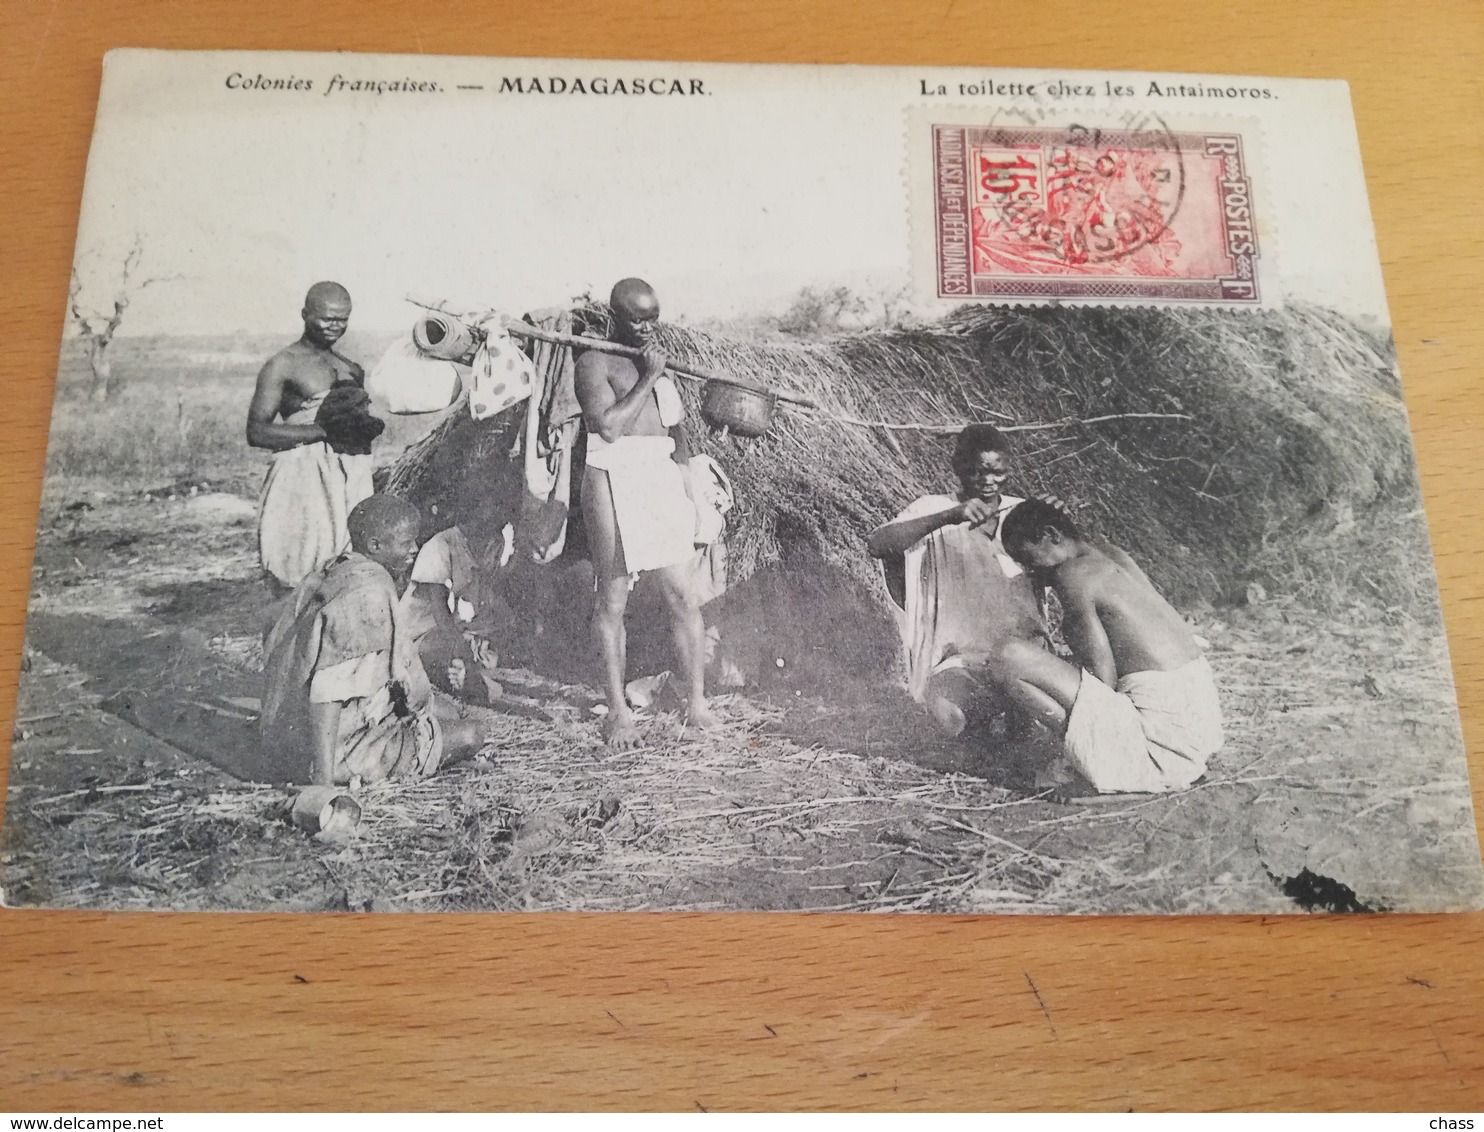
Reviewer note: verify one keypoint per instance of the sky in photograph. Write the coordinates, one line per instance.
(728, 202)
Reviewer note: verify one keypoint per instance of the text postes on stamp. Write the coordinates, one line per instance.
(1079, 213)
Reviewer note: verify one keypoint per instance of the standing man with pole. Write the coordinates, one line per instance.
(636, 502)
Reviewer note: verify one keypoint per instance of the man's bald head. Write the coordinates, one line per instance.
(634, 299)
(326, 313)
(326, 293)
(377, 518)
(636, 310)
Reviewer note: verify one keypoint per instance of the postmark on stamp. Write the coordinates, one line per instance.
(1075, 212)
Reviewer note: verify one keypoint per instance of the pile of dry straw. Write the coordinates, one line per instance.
(1234, 453)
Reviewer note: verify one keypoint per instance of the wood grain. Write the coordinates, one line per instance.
(154, 1012)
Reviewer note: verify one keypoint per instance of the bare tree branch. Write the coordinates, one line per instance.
(74, 303)
(131, 260)
(98, 329)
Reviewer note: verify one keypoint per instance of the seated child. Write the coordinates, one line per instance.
(458, 613)
(345, 684)
(1138, 711)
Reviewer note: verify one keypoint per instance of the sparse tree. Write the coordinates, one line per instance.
(896, 308)
(97, 328)
(819, 311)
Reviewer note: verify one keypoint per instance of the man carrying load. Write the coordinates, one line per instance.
(636, 503)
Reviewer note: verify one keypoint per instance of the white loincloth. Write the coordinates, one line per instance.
(655, 517)
(307, 495)
(1152, 735)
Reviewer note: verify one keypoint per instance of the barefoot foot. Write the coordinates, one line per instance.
(619, 731)
(948, 716)
(700, 717)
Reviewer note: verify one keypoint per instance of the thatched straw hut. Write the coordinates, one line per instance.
(1235, 454)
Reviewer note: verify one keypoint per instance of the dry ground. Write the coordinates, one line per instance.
(1343, 759)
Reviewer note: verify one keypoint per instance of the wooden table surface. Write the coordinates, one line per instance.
(157, 1012)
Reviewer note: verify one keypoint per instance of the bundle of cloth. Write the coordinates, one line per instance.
(425, 370)
(345, 415)
(407, 381)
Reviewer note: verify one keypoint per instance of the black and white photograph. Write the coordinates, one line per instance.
(525, 485)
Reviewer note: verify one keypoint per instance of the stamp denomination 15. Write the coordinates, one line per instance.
(1078, 212)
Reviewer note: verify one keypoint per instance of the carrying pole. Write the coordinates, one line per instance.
(604, 346)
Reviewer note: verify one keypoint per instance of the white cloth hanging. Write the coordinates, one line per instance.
(408, 381)
(711, 488)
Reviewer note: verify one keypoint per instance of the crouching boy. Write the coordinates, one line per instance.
(345, 686)
(1138, 710)
(459, 615)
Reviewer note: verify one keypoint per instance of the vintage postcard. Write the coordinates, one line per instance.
(511, 484)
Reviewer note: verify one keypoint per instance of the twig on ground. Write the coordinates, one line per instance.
(97, 790)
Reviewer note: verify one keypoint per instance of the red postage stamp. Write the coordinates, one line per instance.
(1078, 213)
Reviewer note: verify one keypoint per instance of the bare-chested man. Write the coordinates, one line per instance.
(1138, 709)
(310, 488)
(636, 502)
